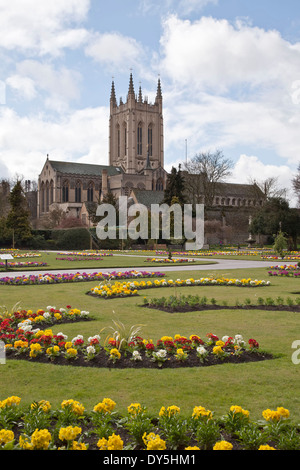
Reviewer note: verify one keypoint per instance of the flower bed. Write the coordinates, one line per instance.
(49, 278)
(85, 254)
(90, 258)
(23, 340)
(23, 264)
(169, 260)
(124, 289)
(73, 427)
(284, 273)
(27, 319)
(196, 303)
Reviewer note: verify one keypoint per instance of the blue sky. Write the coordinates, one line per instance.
(230, 74)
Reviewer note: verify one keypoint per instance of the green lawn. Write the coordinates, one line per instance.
(54, 261)
(254, 386)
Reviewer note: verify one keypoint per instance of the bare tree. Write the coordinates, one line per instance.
(203, 173)
(268, 188)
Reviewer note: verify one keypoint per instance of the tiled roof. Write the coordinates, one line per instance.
(72, 168)
(147, 197)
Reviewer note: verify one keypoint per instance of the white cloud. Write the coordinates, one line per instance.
(24, 86)
(231, 86)
(25, 141)
(115, 51)
(42, 27)
(216, 54)
(250, 168)
(60, 85)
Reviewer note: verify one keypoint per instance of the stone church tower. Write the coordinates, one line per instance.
(136, 132)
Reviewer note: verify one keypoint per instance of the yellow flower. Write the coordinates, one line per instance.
(106, 406)
(222, 445)
(275, 415)
(218, 350)
(78, 446)
(200, 411)
(239, 409)
(41, 439)
(68, 345)
(134, 409)
(72, 352)
(74, 406)
(115, 353)
(10, 401)
(153, 441)
(41, 405)
(192, 448)
(6, 436)
(266, 447)
(171, 411)
(114, 442)
(69, 433)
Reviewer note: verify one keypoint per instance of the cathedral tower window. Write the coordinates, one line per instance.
(118, 142)
(140, 139)
(150, 136)
(125, 139)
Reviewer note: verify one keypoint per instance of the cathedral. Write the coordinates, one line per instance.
(136, 167)
(136, 160)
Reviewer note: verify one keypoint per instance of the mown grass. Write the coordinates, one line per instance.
(255, 386)
(54, 261)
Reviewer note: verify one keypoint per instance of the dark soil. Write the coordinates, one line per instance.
(102, 360)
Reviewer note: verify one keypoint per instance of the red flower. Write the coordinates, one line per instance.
(253, 343)
(69, 306)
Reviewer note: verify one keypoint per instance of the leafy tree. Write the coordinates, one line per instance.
(175, 187)
(18, 218)
(275, 216)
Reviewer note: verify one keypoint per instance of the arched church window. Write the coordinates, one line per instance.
(128, 188)
(47, 197)
(118, 141)
(159, 185)
(78, 191)
(51, 192)
(150, 141)
(140, 139)
(90, 192)
(65, 191)
(125, 138)
(42, 197)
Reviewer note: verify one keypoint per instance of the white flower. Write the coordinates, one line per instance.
(201, 350)
(91, 350)
(46, 315)
(225, 339)
(238, 339)
(136, 356)
(161, 353)
(84, 313)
